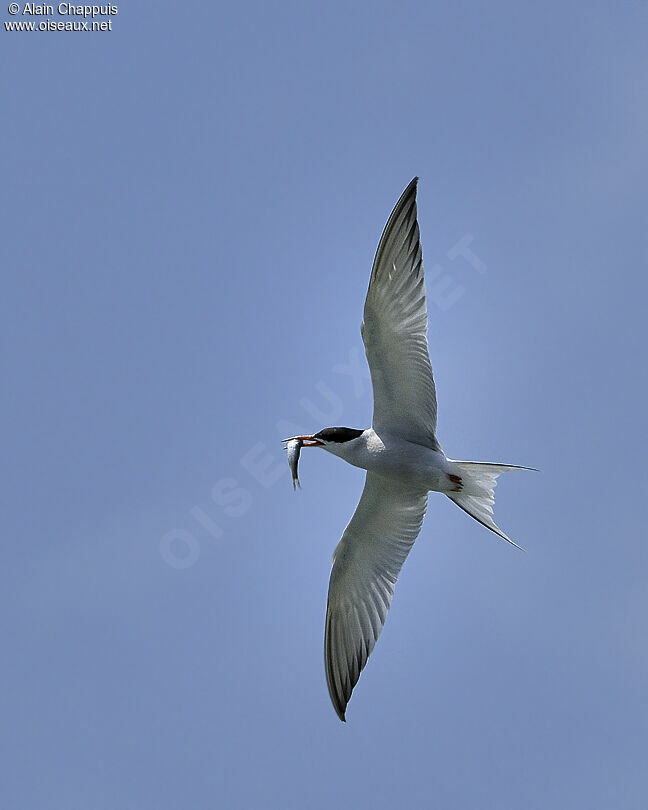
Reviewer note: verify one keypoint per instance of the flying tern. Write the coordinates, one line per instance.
(400, 452)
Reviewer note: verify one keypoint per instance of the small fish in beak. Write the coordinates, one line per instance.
(294, 447)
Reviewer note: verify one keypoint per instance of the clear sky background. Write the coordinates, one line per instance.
(191, 207)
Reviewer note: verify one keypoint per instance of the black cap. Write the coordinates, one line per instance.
(338, 434)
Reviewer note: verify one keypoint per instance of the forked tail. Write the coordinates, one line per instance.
(477, 496)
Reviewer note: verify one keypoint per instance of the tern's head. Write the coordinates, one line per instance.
(333, 439)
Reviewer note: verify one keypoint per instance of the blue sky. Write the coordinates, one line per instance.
(191, 206)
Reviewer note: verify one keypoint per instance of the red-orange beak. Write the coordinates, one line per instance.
(307, 441)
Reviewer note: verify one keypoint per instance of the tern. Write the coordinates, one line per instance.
(400, 452)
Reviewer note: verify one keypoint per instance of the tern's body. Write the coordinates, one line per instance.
(398, 459)
(400, 452)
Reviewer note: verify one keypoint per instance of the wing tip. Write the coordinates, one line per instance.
(338, 700)
(406, 203)
(407, 197)
(410, 190)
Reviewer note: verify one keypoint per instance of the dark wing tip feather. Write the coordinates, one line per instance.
(328, 658)
(407, 200)
(341, 695)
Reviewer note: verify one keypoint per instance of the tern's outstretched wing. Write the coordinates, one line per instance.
(394, 330)
(366, 565)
